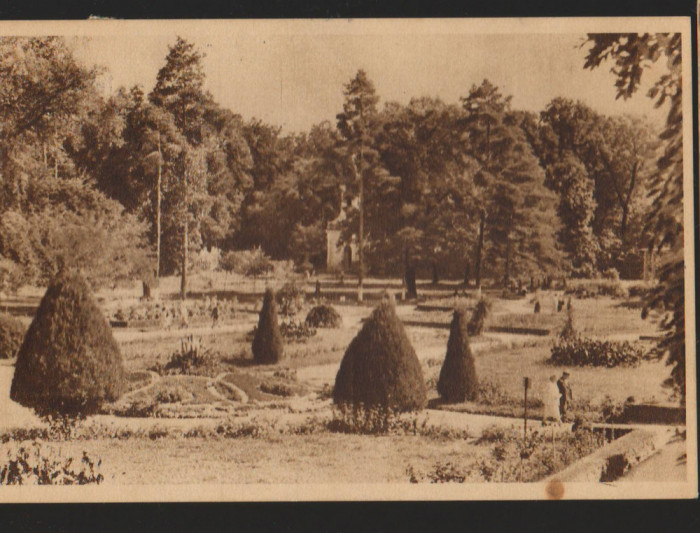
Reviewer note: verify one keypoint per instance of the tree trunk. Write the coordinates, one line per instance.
(623, 224)
(467, 273)
(158, 215)
(506, 273)
(479, 249)
(435, 272)
(183, 270)
(410, 276)
(360, 240)
(185, 245)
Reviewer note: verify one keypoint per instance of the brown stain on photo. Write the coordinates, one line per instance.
(554, 490)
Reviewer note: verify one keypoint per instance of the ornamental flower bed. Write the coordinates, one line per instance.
(582, 351)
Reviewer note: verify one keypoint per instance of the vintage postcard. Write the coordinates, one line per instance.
(389, 259)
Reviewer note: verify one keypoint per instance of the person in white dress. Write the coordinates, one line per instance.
(551, 402)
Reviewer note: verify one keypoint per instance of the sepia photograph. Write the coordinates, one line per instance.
(376, 259)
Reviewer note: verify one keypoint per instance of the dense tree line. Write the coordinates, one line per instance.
(134, 183)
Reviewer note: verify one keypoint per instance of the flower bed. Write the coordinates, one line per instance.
(577, 350)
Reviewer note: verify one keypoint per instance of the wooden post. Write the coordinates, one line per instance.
(526, 385)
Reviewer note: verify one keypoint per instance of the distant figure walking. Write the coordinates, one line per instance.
(551, 402)
(214, 313)
(566, 394)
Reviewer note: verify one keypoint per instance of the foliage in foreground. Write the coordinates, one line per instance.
(11, 336)
(69, 362)
(514, 460)
(36, 464)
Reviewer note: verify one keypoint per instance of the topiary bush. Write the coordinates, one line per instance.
(69, 362)
(458, 381)
(324, 316)
(380, 367)
(267, 343)
(11, 336)
(478, 319)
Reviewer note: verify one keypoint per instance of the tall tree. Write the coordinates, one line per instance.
(515, 210)
(179, 89)
(43, 89)
(485, 109)
(610, 159)
(355, 124)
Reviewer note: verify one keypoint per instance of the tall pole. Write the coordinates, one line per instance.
(526, 385)
(185, 243)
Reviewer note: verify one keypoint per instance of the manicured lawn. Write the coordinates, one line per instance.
(323, 458)
(506, 368)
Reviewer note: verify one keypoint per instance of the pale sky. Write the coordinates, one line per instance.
(296, 80)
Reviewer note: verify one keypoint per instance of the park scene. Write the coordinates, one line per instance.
(456, 286)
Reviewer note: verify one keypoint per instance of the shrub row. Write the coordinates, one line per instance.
(595, 288)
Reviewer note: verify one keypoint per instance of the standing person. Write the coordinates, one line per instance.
(551, 402)
(566, 394)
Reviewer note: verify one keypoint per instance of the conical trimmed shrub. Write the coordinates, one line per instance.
(69, 362)
(458, 381)
(267, 343)
(380, 367)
